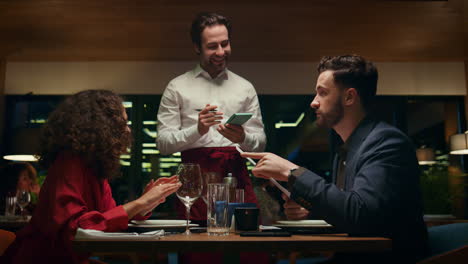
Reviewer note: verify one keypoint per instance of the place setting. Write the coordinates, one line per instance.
(165, 224)
(306, 226)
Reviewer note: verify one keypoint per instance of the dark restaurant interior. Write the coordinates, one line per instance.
(53, 48)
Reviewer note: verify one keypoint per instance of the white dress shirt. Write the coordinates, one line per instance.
(178, 117)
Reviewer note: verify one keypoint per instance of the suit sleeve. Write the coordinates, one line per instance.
(385, 179)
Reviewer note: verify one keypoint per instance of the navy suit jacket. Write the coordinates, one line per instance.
(381, 196)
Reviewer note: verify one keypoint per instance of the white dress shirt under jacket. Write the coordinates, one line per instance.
(178, 117)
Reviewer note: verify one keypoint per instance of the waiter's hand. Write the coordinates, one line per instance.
(234, 133)
(207, 118)
(294, 211)
(270, 165)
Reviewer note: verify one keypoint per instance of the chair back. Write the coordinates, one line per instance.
(445, 238)
(6, 238)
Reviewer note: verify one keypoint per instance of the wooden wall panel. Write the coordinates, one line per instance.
(2, 102)
(422, 78)
(46, 30)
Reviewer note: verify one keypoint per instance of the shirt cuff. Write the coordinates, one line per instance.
(116, 219)
(293, 175)
(248, 143)
(192, 134)
(140, 217)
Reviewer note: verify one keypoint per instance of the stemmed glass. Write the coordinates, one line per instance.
(22, 199)
(191, 189)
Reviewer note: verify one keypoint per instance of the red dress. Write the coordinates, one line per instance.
(71, 197)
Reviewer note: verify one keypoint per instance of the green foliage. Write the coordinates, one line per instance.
(435, 189)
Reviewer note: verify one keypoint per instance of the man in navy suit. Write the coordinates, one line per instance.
(375, 185)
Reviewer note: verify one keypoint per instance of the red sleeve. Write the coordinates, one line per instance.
(81, 200)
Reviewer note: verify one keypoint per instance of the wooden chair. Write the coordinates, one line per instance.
(6, 238)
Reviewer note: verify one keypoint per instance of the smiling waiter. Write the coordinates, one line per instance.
(196, 104)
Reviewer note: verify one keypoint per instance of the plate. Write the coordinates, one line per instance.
(14, 218)
(162, 222)
(303, 223)
(159, 224)
(307, 227)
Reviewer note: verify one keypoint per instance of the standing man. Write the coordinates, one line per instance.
(195, 105)
(375, 189)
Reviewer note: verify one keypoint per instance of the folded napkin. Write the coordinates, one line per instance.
(266, 228)
(100, 235)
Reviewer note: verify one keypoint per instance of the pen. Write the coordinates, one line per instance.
(211, 111)
(279, 186)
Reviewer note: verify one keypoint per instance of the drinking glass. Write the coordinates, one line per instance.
(22, 200)
(217, 217)
(10, 205)
(209, 177)
(191, 189)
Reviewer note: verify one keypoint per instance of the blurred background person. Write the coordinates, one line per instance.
(19, 176)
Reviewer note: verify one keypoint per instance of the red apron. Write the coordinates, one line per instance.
(223, 160)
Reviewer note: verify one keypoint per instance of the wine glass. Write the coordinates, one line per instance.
(22, 199)
(191, 189)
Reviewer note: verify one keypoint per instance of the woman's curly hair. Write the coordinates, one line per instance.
(90, 124)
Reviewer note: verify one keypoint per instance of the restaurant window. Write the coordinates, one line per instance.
(289, 126)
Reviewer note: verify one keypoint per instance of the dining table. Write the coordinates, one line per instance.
(233, 243)
(13, 223)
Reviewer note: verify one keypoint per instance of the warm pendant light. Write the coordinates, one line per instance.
(459, 144)
(24, 145)
(425, 156)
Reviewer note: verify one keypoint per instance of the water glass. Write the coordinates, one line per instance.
(238, 196)
(209, 177)
(10, 205)
(217, 218)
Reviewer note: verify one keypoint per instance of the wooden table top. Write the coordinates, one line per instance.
(235, 243)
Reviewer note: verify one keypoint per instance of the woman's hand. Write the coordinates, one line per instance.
(152, 183)
(157, 195)
(154, 194)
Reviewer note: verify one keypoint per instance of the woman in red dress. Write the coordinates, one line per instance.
(81, 145)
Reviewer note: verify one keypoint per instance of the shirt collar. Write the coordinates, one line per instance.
(359, 134)
(199, 71)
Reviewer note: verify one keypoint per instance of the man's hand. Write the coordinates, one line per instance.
(270, 165)
(207, 118)
(293, 211)
(234, 133)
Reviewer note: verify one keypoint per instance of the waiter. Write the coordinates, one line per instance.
(196, 104)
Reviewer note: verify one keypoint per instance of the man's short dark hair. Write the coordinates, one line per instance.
(203, 20)
(353, 71)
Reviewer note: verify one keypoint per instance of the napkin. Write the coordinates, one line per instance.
(100, 235)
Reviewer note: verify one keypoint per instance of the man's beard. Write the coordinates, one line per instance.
(328, 120)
